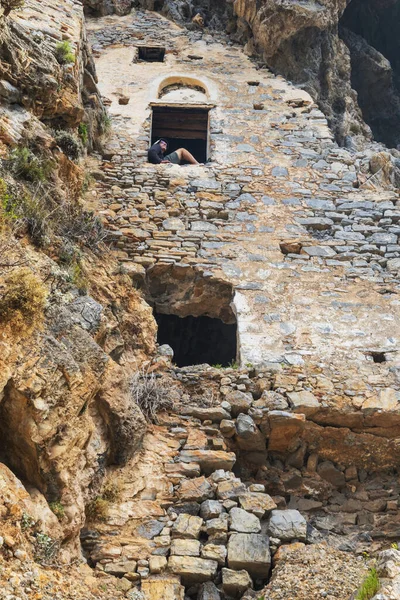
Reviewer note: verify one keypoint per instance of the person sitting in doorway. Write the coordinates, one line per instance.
(156, 155)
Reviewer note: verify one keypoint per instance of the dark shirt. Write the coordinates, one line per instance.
(155, 154)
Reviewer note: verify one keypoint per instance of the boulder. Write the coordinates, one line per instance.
(235, 583)
(257, 503)
(192, 569)
(243, 522)
(249, 437)
(249, 551)
(287, 525)
(208, 591)
(240, 402)
(211, 509)
(209, 460)
(216, 552)
(230, 489)
(184, 547)
(195, 490)
(187, 526)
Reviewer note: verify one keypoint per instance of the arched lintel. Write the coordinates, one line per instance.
(184, 79)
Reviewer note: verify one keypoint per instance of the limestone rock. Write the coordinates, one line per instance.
(213, 413)
(243, 522)
(216, 552)
(187, 526)
(209, 460)
(240, 402)
(211, 509)
(287, 525)
(257, 503)
(249, 551)
(249, 437)
(191, 569)
(230, 489)
(235, 583)
(185, 547)
(304, 402)
(195, 490)
(209, 591)
(157, 564)
(166, 587)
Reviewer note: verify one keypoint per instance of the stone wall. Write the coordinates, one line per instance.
(301, 228)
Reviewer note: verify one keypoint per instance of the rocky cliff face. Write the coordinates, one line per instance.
(255, 471)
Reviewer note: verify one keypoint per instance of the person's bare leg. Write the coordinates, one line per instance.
(185, 155)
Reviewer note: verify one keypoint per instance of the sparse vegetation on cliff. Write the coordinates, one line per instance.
(27, 165)
(64, 53)
(369, 587)
(22, 300)
(68, 144)
(150, 394)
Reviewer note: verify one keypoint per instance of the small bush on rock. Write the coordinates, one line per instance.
(68, 144)
(23, 300)
(46, 549)
(369, 587)
(83, 133)
(150, 394)
(64, 54)
(97, 509)
(25, 164)
(58, 509)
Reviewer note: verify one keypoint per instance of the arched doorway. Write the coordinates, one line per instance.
(181, 116)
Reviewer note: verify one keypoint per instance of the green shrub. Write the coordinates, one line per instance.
(9, 5)
(46, 549)
(369, 587)
(64, 53)
(23, 300)
(58, 509)
(25, 164)
(68, 144)
(77, 277)
(83, 133)
(105, 123)
(27, 522)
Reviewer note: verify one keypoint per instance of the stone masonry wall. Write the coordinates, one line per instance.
(281, 212)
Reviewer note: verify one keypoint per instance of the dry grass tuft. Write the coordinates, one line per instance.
(150, 394)
(22, 300)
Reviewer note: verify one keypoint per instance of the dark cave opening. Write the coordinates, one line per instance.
(198, 340)
(371, 32)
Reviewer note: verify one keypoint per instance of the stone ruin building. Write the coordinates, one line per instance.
(266, 286)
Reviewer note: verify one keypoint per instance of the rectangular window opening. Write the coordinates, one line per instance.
(182, 128)
(151, 53)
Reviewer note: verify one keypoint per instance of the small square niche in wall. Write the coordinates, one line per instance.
(151, 53)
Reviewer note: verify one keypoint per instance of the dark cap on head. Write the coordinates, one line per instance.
(162, 140)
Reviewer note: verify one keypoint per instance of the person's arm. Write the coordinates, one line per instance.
(153, 156)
